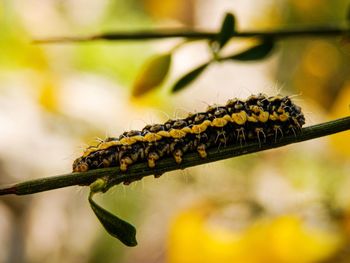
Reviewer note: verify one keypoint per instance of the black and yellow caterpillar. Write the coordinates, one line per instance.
(259, 118)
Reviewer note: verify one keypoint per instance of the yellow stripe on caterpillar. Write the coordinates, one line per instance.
(219, 122)
(284, 116)
(187, 129)
(252, 118)
(177, 133)
(164, 134)
(240, 118)
(199, 128)
(152, 137)
(263, 116)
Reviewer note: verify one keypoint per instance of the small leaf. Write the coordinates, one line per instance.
(257, 52)
(152, 74)
(115, 226)
(227, 29)
(188, 78)
(348, 15)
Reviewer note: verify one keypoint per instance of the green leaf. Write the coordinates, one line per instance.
(348, 15)
(257, 52)
(152, 74)
(115, 226)
(188, 78)
(227, 29)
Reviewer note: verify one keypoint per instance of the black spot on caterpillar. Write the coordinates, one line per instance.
(259, 118)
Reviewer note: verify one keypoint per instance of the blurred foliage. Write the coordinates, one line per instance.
(152, 75)
(258, 52)
(155, 70)
(226, 31)
(189, 77)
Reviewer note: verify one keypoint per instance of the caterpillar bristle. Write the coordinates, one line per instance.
(259, 118)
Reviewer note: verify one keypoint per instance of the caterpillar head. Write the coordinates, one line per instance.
(80, 165)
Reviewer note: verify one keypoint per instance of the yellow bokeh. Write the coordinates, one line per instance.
(48, 96)
(308, 6)
(321, 59)
(171, 9)
(341, 108)
(285, 239)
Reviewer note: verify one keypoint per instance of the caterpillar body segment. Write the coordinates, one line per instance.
(259, 118)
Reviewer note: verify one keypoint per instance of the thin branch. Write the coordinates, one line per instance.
(192, 34)
(138, 171)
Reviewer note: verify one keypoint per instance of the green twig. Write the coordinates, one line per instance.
(192, 34)
(138, 171)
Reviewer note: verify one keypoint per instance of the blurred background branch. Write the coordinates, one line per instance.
(154, 71)
(320, 31)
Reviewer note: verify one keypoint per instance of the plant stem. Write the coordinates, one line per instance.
(138, 171)
(192, 34)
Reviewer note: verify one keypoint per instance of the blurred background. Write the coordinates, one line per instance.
(286, 205)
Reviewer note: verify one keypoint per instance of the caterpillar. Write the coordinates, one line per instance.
(258, 118)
